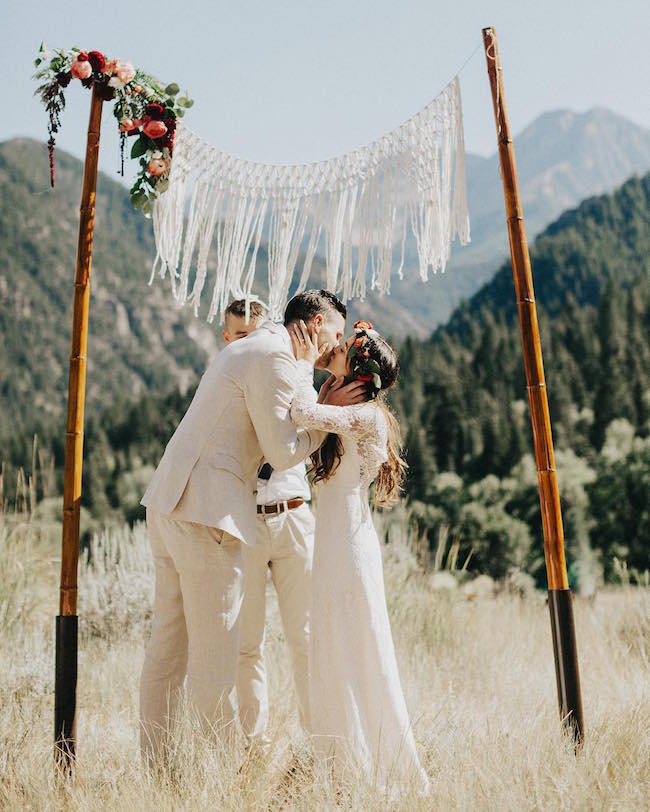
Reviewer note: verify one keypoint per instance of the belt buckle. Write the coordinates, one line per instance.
(275, 508)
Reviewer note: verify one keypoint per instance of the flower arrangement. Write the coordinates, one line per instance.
(144, 109)
(363, 367)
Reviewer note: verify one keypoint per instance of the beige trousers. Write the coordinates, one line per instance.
(195, 628)
(285, 546)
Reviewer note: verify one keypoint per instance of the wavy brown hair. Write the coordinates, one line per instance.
(391, 475)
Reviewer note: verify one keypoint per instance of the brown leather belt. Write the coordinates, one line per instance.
(280, 507)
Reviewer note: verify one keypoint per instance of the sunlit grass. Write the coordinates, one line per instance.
(478, 676)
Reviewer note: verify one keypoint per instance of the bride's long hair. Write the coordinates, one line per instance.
(391, 475)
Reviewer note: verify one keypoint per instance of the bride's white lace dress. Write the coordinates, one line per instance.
(356, 700)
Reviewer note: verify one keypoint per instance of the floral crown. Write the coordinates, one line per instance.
(363, 367)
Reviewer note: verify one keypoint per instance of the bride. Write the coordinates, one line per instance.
(358, 711)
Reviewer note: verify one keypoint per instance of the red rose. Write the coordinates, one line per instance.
(363, 325)
(155, 110)
(82, 56)
(97, 61)
(154, 129)
(364, 378)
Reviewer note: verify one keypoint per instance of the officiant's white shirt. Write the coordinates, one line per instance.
(283, 485)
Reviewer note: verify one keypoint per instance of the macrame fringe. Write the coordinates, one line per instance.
(354, 208)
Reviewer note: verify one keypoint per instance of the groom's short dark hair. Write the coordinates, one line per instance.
(308, 304)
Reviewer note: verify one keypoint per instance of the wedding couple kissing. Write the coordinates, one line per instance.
(229, 500)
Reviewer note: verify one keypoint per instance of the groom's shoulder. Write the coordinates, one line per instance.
(268, 338)
(252, 354)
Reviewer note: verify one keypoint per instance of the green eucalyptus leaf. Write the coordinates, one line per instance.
(139, 148)
(162, 185)
(373, 367)
(172, 89)
(180, 113)
(183, 101)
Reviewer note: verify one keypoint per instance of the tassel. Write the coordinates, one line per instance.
(354, 208)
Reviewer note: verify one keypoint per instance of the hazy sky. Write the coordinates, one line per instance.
(302, 80)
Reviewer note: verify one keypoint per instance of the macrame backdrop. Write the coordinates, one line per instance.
(353, 209)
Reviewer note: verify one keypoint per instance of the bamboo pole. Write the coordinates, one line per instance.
(559, 594)
(65, 687)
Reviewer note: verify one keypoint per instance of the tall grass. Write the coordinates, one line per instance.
(478, 676)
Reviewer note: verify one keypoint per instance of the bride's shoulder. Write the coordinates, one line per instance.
(370, 414)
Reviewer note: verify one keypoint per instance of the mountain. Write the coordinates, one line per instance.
(138, 340)
(562, 158)
(462, 392)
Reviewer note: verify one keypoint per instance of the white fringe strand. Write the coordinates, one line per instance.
(355, 208)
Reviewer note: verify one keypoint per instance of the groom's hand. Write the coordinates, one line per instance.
(335, 392)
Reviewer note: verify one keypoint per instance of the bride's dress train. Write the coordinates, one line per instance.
(356, 700)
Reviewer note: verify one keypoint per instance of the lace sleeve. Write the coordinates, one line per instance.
(363, 423)
(351, 421)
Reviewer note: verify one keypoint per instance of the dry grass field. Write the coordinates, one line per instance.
(477, 669)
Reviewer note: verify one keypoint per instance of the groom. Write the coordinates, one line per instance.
(201, 509)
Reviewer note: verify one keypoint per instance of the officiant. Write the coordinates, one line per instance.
(284, 546)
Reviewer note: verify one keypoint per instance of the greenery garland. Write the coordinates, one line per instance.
(144, 109)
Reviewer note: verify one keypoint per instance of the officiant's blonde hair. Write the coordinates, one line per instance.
(391, 474)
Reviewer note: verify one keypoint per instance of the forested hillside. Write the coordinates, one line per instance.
(462, 404)
(461, 392)
(461, 398)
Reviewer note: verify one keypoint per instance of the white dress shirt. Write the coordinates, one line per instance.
(284, 485)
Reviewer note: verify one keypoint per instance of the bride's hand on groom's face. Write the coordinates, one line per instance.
(305, 345)
(335, 392)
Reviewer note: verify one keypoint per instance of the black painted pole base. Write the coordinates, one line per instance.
(65, 691)
(560, 604)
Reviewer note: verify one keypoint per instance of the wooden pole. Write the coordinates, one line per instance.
(65, 687)
(559, 594)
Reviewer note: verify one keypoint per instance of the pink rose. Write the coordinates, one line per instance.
(157, 167)
(125, 72)
(81, 70)
(126, 124)
(154, 129)
(112, 65)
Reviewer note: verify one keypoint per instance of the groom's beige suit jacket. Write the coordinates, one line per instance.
(238, 417)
